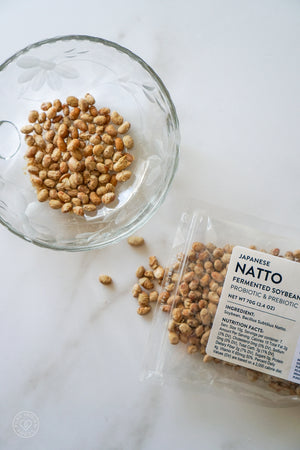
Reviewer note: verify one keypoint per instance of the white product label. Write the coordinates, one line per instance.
(257, 324)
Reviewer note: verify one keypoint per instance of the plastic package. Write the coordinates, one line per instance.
(261, 336)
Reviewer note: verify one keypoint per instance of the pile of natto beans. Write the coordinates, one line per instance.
(77, 154)
(146, 289)
(191, 294)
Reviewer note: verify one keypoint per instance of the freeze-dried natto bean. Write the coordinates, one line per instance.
(105, 279)
(78, 151)
(135, 241)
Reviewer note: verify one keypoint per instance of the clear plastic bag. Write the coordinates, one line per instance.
(184, 361)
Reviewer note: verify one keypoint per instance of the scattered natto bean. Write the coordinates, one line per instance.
(135, 241)
(105, 279)
(75, 148)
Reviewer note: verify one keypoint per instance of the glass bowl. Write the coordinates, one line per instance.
(118, 79)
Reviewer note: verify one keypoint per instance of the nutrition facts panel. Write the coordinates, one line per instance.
(295, 369)
(257, 324)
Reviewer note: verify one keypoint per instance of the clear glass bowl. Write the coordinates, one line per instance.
(75, 65)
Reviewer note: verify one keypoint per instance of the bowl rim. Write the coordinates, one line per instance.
(131, 227)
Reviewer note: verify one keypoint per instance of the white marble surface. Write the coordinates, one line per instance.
(71, 349)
